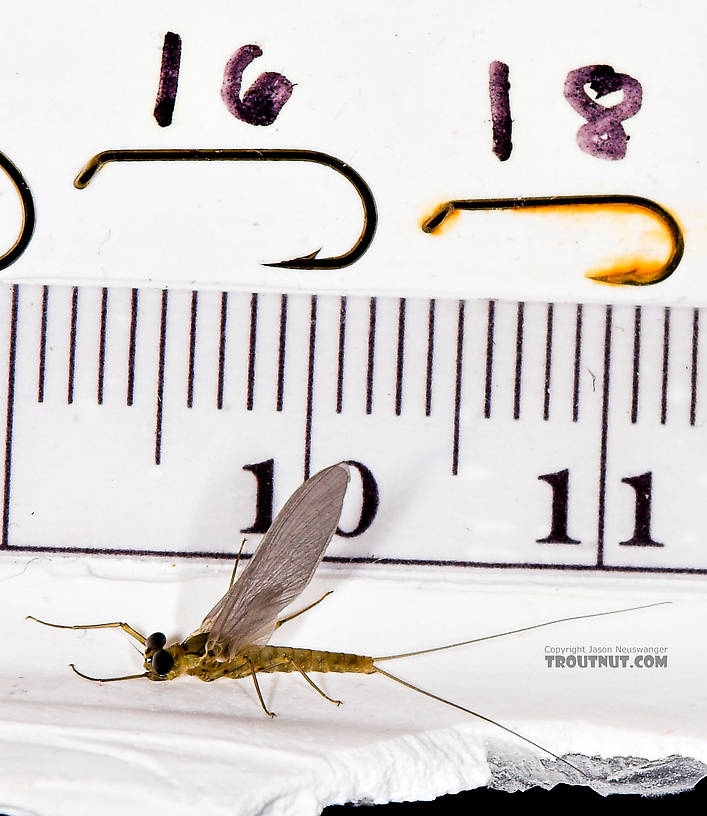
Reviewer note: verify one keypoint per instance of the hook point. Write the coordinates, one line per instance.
(301, 262)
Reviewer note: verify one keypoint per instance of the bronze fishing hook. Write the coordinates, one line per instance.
(625, 276)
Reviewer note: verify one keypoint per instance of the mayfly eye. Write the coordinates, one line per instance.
(155, 641)
(162, 661)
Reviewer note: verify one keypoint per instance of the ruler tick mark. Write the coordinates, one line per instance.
(603, 442)
(341, 356)
(636, 363)
(192, 347)
(72, 345)
(131, 346)
(371, 354)
(430, 356)
(42, 344)
(10, 413)
(519, 359)
(222, 350)
(458, 389)
(548, 361)
(693, 378)
(310, 386)
(489, 358)
(577, 362)
(252, 338)
(282, 347)
(400, 358)
(102, 345)
(666, 363)
(160, 379)
(342, 347)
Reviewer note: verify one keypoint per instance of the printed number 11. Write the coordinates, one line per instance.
(643, 487)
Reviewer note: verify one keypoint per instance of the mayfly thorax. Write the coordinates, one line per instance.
(232, 640)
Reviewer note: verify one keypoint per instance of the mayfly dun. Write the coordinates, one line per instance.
(232, 639)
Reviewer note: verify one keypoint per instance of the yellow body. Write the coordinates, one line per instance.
(190, 658)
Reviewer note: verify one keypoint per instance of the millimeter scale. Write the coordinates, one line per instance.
(481, 432)
(158, 409)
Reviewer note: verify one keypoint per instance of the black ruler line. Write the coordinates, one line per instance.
(577, 362)
(10, 413)
(72, 345)
(458, 389)
(281, 352)
(666, 364)
(693, 377)
(222, 350)
(341, 357)
(489, 357)
(517, 384)
(636, 364)
(548, 361)
(193, 318)
(131, 346)
(400, 358)
(102, 345)
(252, 339)
(310, 386)
(371, 354)
(603, 441)
(369, 559)
(43, 344)
(160, 379)
(430, 355)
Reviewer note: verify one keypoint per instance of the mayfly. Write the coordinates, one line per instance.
(232, 639)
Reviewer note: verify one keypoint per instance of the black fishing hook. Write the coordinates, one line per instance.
(28, 214)
(310, 261)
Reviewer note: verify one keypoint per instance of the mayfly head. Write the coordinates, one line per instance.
(159, 661)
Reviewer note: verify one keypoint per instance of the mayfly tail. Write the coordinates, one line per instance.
(515, 631)
(480, 716)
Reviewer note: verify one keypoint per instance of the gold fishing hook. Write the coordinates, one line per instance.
(626, 274)
(310, 261)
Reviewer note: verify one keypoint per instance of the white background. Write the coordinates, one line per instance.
(400, 92)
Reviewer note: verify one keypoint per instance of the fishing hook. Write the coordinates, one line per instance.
(310, 261)
(626, 277)
(28, 214)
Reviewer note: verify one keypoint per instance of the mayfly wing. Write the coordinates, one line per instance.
(282, 565)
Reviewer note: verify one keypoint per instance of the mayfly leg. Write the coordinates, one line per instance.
(311, 682)
(257, 689)
(107, 679)
(112, 625)
(235, 566)
(302, 611)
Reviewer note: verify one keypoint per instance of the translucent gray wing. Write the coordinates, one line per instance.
(282, 566)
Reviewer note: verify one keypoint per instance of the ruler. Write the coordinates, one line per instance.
(481, 432)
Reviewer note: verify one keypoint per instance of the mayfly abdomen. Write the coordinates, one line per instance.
(286, 659)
